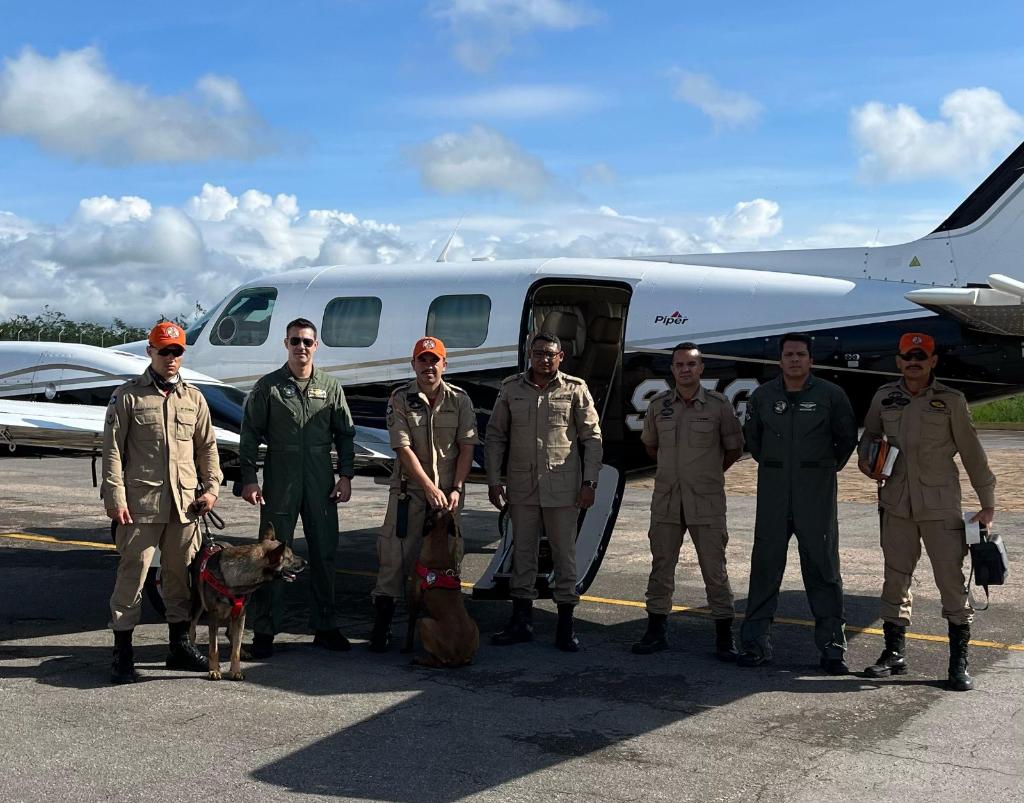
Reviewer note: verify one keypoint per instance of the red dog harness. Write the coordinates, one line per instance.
(206, 576)
(437, 578)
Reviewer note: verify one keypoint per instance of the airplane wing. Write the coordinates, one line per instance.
(373, 449)
(79, 428)
(997, 309)
(69, 427)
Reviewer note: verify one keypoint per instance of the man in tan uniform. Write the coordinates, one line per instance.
(541, 420)
(432, 427)
(695, 436)
(158, 448)
(929, 423)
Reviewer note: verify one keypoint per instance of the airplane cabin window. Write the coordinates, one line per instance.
(246, 320)
(459, 321)
(351, 322)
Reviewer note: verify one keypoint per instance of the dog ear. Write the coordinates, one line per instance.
(268, 533)
(276, 555)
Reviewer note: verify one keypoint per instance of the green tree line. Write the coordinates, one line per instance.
(54, 325)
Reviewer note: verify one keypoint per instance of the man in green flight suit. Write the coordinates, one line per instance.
(299, 412)
(801, 431)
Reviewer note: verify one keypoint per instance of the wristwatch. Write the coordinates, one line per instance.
(590, 484)
(460, 488)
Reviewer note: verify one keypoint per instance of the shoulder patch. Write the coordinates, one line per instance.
(113, 398)
(574, 379)
(456, 389)
(659, 396)
(512, 378)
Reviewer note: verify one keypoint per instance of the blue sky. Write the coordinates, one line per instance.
(337, 132)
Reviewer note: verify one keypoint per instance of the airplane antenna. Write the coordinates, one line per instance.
(443, 256)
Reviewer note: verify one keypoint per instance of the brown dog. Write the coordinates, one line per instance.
(448, 635)
(227, 576)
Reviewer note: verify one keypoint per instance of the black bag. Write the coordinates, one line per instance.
(989, 562)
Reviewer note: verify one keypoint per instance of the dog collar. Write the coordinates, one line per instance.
(437, 578)
(208, 577)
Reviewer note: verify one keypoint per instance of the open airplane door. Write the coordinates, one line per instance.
(589, 318)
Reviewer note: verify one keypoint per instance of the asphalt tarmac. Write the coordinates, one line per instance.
(523, 723)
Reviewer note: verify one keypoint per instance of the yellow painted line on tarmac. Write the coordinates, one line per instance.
(49, 539)
(626, 603)
(874, 631)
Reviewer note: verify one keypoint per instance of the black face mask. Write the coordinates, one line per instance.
(162, 384)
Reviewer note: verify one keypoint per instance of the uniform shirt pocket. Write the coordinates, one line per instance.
(559, 412)
(184, 424)
(934, 427)
(149, 425)
(666, 426)
(521, 409)
(701, 434)
(891, 423)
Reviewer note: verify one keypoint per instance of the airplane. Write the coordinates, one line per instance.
(618, 320)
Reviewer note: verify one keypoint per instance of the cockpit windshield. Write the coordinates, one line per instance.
(193, 330)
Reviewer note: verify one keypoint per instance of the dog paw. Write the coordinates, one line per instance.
(236, 676)
(214, 675)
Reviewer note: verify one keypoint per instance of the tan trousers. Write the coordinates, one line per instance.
(397, 556)
(137, 543)
(709, 541)
(560, 528)
(947, 548)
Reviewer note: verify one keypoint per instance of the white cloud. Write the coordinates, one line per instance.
(897, 143)
(481, 160)
(748, 222)
(515, 103)
(485, 30)
(73, 105)
(213, 203)
(104, 209)
(727, 107)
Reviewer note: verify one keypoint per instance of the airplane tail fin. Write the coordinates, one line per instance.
(984, 235)
(984, 239)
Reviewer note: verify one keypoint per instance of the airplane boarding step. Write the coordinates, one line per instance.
(595, 531)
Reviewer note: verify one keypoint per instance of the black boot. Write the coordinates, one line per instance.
(122, 670)
(184, 655)
(262, 646)
(332, 640)
(725, 644)
(380, 636)
(959, 635)
(520, 625)
(565, 638)
(653, 639)
(892, 661)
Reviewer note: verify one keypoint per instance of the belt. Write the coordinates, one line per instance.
(294, 449)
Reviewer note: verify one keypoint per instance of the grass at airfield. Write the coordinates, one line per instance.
(1004, 411)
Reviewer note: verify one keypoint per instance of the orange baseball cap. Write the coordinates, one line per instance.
(166, 333)
(431, 344)
(917, 340)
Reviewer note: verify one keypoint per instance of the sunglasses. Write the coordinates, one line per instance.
(171, 351)
(305, 341)
(914, 356)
